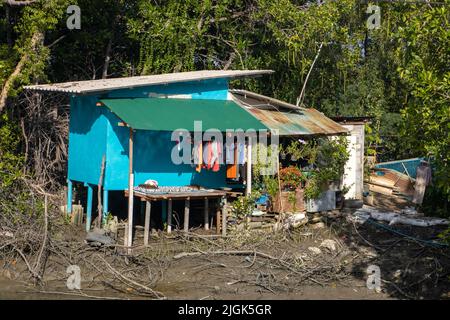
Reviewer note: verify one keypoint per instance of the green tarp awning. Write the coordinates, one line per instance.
(171, 114)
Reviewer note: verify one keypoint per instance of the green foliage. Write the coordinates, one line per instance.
(244, 205)
(445, 236)
(270, 185)
(313, 187)
(332, 156)
(426, 72)
(10, 159)
(7, 60)
(16, 202)
(81, 55)
(298, 150)
(398, 74)
(265, 161)
(327, 157)
(292, 199)
(436, 202)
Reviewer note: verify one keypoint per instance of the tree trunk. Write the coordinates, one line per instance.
(107, 59)
(302, 93)
(18, 2)
(8, 27)
(36, 40)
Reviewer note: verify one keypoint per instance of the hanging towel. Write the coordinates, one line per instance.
(216, 155)
(230, 153)
(241, 152)
(232, 169)
(214, 152)
(197, 155)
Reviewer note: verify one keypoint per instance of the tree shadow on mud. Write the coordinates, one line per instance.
(410, 268)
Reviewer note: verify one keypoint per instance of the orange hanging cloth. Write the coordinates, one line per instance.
(208, 156)
(199, 152)
(232, 168)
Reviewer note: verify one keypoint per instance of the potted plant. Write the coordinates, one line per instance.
(291, 178)
(290, 199)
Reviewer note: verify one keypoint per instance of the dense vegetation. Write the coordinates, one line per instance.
(398, 73)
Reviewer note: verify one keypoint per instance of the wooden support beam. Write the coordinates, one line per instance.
(148, 208)
(163, 210)
(99, 193)
(125, 236)
(169, 216)
(187, 203)
(69, 197)
(89, 208)
(248, 189)
(224, 217)
(206, 214)
(218, 219)
(105, 205)
(129, 240)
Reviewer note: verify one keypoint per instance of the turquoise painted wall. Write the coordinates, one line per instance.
(87, 139)
(94, 131)
(207, 89)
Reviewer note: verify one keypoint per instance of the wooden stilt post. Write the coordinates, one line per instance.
(248, 189)
(105, 204)
(99, 193)
(69, 197)
(224, 217)
(163, 210)
(89, 208)
(169, 216)
(148, 208)
(129, 241)
(218, 219)
(125, 236)
(186, 215)
(206, 213)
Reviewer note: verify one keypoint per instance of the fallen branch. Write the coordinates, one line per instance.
(157, 294)
(37, 266)
(80, 294)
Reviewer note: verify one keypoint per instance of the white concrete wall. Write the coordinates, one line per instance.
(354, 168)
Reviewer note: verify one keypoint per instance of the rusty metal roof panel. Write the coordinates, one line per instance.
(299, 121)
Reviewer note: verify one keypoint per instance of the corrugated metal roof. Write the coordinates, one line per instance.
(172, 114)
(91, 86)
(288, 119)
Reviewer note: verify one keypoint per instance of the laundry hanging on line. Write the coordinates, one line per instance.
(197, 156)
(213, 152)
(232, 166)
(210, 155)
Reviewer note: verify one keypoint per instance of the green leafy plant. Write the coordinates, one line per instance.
(445, 236)
(331, 156)
(244, 205)
(313, 187)
(270, 185)
(300, 150)
(292, 199)
(11, 160)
